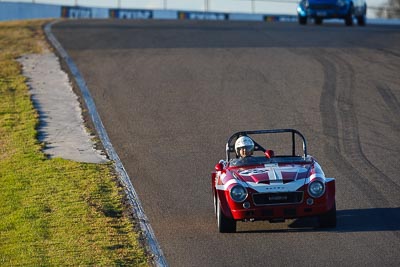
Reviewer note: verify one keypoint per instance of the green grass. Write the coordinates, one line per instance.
(53, 212)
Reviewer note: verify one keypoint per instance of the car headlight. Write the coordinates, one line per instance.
(316, 189)
(238, 193)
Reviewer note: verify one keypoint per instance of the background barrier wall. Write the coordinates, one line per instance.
(14, 11)
(18, 11)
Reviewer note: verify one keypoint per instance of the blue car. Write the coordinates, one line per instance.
(330, 9)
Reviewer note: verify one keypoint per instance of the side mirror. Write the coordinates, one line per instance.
(219, 167)
(269, 153)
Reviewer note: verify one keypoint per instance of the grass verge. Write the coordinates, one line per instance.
(53, 212)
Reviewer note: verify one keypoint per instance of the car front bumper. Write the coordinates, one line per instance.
(279, 212)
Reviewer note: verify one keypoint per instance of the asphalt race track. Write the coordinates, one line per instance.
(171, 92)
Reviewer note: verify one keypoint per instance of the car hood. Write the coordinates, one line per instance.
(272, 174)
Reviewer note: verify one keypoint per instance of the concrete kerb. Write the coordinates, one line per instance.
(61, 124)
(147, 231)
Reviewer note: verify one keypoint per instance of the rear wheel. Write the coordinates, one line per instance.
(225, 225)
(328, 220)
(318, 21)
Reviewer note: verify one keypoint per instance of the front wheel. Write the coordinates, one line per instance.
(328, 220)
(225, 225)
(302, 20)
(361, 20)
(215, 206)
(348, 20)
(318, 21)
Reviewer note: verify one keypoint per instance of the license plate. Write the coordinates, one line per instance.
(321, 14)
(272, 198)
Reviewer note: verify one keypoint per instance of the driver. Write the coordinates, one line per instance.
(244, 147)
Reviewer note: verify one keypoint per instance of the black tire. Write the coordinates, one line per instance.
(348, 20)
(215, 206)
(328, 220)
(302, 20)
(361, 20)
(225, 225)
(318, 21)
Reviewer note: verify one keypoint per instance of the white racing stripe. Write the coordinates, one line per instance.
(275, 176)
(277, 187)
(231, 181)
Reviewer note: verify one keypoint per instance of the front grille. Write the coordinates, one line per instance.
(322, 6)
(277, 198)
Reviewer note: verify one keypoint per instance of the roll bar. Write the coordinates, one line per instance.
(230, 146)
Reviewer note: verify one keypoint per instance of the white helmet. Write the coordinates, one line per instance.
(244, 141)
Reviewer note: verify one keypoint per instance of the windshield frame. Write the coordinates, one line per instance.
(230, 145)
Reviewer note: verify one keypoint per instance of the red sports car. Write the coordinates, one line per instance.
(274, 184)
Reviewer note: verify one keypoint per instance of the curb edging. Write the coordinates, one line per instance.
(151, 242)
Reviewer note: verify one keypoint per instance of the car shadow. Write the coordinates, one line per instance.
(374, 219)
(352, 220)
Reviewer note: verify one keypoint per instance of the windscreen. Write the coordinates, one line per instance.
(280, 143)
(283, 144)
